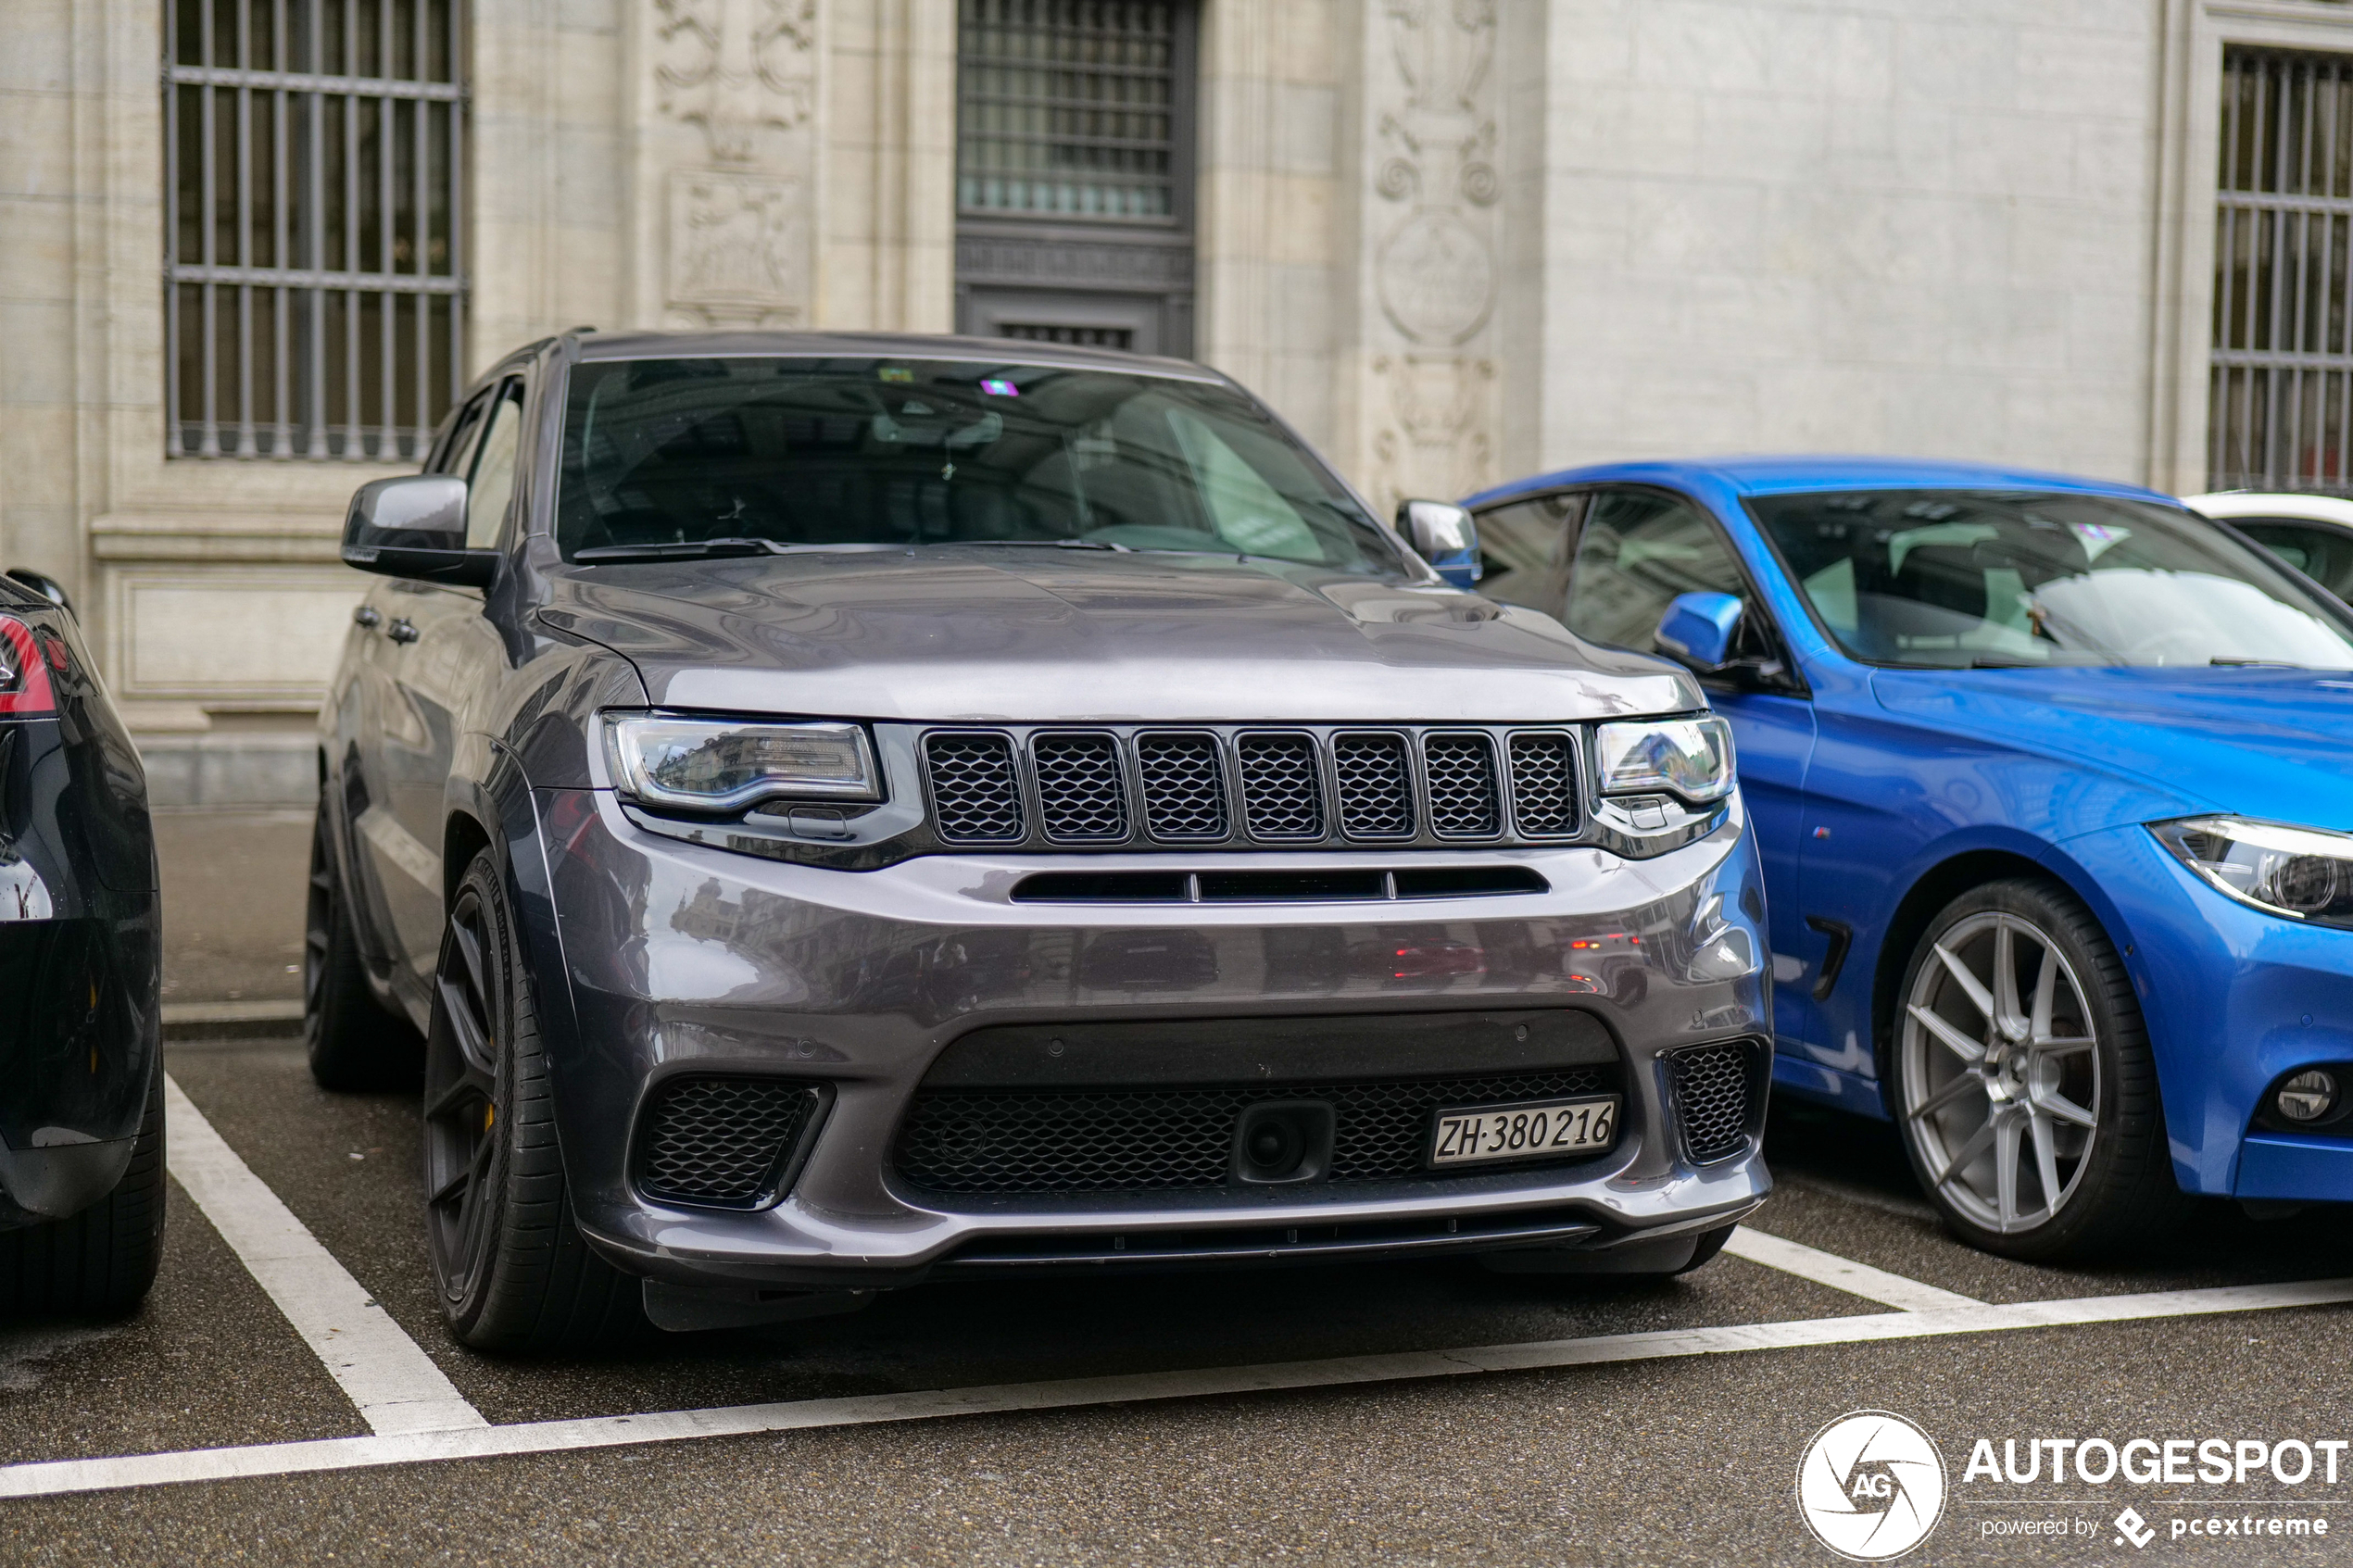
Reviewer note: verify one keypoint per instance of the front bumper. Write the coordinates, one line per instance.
(2234, 999)
(659, 959)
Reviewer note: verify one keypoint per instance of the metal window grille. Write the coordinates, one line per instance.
(314, 296)
(2281, 415)
(1067, 109)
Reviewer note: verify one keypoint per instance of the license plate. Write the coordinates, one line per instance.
(1478, 1133)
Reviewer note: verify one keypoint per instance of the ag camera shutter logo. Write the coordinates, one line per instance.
(1870, 1485)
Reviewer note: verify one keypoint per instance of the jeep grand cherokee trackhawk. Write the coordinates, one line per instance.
(844, 810)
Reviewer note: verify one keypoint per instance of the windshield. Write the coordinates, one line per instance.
(1952, 578)
(874, 452)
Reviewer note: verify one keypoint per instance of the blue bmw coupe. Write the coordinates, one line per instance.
(2054, 784)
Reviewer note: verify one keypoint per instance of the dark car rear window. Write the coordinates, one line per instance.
(833, 452)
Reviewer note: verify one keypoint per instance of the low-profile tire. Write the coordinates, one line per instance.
(2022, 1080)
(511, 1269)
(354, 1043)
(98, 1264)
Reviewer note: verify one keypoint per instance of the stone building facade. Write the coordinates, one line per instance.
(1452, 239)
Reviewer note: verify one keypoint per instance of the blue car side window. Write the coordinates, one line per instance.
(1638, 550)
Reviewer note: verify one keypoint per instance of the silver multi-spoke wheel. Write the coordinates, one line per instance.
(2000, 1072)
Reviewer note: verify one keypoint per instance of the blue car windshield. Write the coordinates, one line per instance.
(1948, 579)
(909, 452)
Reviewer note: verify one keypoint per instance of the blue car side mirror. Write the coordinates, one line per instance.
(1698, 629)
(1445, 535)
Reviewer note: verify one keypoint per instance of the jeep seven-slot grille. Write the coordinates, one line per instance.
(1543, 785)
(1282, 798)
(1463, 800)
(1134, 788)
(976, 794)
(1184, 780)
(1032, 1140)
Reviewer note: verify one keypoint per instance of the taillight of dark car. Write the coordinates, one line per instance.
(24, 674)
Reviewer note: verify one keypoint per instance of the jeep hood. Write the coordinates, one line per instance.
(1013, 635)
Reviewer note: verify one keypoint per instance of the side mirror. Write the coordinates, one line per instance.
(1443, 534)
(44, 584)
(415, 527)
(1698, 629)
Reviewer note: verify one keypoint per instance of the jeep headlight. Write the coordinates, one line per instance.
(725, 764)
(1691, 758)
(2302, 873)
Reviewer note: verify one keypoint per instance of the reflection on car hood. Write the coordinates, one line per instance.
(1044, 635)
(2268, 743)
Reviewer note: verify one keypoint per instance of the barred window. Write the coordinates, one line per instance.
(314, 288)
(2281, 415)
(1067, 109)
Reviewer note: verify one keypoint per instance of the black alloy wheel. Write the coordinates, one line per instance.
(353, 1042)
(512, 1271)
(2023, 1082)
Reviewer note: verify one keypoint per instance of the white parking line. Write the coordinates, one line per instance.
(1843, 1273)
(397, 1388)
(57, 1477)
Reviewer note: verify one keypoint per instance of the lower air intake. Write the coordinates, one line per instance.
(723, 1143)
(1712, 1085)
(1037, 1140)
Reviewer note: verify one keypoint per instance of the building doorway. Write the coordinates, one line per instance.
(1075, 173)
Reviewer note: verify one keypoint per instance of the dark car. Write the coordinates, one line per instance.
(81, 1074)
(847, 810)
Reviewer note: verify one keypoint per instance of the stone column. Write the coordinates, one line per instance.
(1428, 229)
(725, 176)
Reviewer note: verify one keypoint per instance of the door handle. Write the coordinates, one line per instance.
(367, 616)
(401, 631)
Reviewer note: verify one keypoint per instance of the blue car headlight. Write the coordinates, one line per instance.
(2300, 873)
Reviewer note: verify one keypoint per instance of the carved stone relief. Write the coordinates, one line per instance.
(1434, 224)
(735, 67)
(738, 243)
(738, 218)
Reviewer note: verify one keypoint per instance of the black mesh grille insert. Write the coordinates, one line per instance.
(1463, 802)
(1281, 798)
(974, 797)
(720, 1141)
(1543, 785)
(1184, 786)
(1080, 798)
(1029, 1140)
(1711, 1098)
(1376, 790)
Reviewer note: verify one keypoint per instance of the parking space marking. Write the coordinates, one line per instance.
(55, 1478)
(1843, 1273)
(396, 1385)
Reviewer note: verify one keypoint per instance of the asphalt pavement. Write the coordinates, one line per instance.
(1109, 1430)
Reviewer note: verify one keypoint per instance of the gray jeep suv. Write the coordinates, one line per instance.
(845, 810)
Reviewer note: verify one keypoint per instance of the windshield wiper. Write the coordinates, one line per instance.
(1043, 543)
(688, 549)
(2234, 662)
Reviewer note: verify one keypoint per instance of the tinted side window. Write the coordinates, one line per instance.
(2325, 554)
(493, 474)
(1637, 551)
(1525, 547)
(455, 450)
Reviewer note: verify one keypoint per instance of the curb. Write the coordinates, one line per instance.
(231, 1020)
